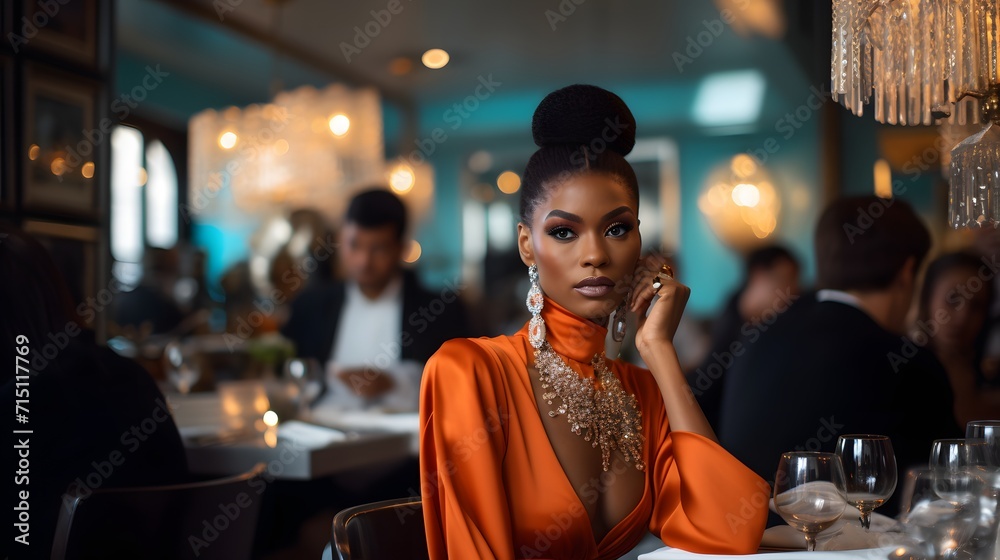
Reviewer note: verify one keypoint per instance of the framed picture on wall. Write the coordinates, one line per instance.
(74, 249)
(69, 33)
(60, 143)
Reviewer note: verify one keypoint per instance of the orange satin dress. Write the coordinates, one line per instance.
(492, 486)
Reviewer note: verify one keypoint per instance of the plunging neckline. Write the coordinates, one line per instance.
(597, 336)
(569, 484)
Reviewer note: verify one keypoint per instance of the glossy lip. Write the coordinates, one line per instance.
(594, 286)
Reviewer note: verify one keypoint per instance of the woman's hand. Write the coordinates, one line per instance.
(661, 323)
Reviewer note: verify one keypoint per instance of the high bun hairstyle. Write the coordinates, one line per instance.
(579, 129)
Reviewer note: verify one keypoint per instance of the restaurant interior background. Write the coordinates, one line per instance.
(154, 84)
(206, 149)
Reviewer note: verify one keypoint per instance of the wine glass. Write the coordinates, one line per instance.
(870, 470)
(988, 431)
(941, 507)
(180, 372)
(957, 454)
(810, 492)
(307, 375)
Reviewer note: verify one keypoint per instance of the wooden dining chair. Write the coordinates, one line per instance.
(380, 531)
(203, 520)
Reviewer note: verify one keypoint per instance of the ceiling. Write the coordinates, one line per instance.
(524, 44)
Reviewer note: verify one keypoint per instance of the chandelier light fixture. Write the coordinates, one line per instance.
(924, 62)
(308, 148)
(740, 203)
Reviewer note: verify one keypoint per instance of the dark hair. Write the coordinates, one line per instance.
(375, 208)
(938, 268)
(33, 295)
(579, 129)
(768, 256)
(863, 242)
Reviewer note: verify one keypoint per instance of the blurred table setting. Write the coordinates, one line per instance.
(949, 508)
(296, 421)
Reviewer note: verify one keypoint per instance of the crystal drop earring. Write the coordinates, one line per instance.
(535, 302)
(620, 325)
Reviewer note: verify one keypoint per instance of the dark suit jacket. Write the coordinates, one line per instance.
(826, 369)
(429, 319)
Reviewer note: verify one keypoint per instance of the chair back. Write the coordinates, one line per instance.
(386, 530)
(203, 520)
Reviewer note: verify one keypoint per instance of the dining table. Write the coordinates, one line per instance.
(222, 438)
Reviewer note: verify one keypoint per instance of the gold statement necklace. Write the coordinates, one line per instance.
(605, 415)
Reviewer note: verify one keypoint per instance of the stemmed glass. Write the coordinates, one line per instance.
(951, 455)
(810, 492)
(307, 375)
(180, 372)
(870, 470)
(987, 431)
(940, 508)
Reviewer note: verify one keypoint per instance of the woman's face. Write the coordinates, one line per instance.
(585, 240)
(957, 307)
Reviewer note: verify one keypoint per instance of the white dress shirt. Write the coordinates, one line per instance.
(368, 337)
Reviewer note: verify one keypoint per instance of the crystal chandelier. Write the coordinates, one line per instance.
(308, 148)
(924, 62)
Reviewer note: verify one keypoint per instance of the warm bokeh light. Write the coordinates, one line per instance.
(745, 194)
(480, 161)
(58, 166)
(509, 182)
(413, 255)
(339, 124)
(400, 66)
(227, 140)
(402, 179)
(143, 176)
(281, 147)
(87, 170)
(270, 418)
(740, 203)
(435, 58)
(883, 179)
(33, 152)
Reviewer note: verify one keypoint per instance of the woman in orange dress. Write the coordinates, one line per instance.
(537, 446)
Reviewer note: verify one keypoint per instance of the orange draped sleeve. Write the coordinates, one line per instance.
(706, 501)
(462, 446)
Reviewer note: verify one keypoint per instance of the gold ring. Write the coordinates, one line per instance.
(665, 273)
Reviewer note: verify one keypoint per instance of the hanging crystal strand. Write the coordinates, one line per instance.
(890, 79)
(838, 55)
(911, 77)
(993, 18)
(936, 64)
